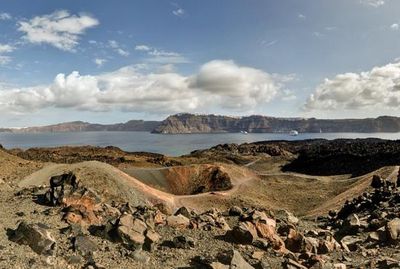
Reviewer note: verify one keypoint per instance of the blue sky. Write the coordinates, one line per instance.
(111, 61)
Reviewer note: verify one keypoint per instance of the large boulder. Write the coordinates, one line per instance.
(130, 238)
(84, 245)
(184, 242)
(377, 182)
(269, 233)
(393, 229)
(131, 231)
(243, 233)
(36, 236)
(232, 259)
(178, 221)
(151, 239)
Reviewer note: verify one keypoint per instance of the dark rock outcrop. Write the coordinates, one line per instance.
(344, 156)
(37, 236)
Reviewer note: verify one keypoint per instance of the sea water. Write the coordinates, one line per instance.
(173, 145)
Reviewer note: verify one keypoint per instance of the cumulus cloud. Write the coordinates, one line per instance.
(395, 26)
(142, 48)
(373, 3)
(5, 48)
(59, 29)
(99, 61)
(375, 89)
(301, 16)
(217, 84)
(179, 12)
(237, 87)
(117, 48)
(5, 16)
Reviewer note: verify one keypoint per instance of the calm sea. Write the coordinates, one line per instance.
(172, 145)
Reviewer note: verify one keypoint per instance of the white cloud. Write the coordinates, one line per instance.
(161, 56)
(217, 84)
(373, 3)
(5, 16)
(113, 44)
(179, 12)
(287, 95)
(330, 28)
(395, 26)
(269, 44)
(122, 52)
(99, 62)
(117, 48)
(59, 29)
(301, 16)
(162, 53)
(236, 87)
(142, 48)
(375, 89)
(317, 34)
(5, 48)
(5, 59)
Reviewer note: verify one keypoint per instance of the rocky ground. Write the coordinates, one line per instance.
(82, 215)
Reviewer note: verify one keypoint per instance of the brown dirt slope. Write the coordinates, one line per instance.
(13, 168)
(108, 181)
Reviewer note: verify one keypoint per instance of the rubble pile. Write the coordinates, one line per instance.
(256, 237)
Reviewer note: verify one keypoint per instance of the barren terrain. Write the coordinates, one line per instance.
(233, 184)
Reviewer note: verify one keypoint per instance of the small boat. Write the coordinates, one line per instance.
(294, 133)
(243, 132)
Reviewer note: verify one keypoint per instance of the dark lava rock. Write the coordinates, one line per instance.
(84, 245)
(377, 182)
(184, 242)
(37, 236)
(343, 156)
(58, 185)
(235, 211)
(184, 211)
(234, 259)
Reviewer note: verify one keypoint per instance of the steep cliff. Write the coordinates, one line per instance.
(80, 126)
(189, 123)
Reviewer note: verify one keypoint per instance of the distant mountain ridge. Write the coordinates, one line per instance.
(190, 123)
(80, 126)
(185, 123)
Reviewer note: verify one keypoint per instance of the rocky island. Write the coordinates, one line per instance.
(81, 126)
(185, 123)
(189, 123)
